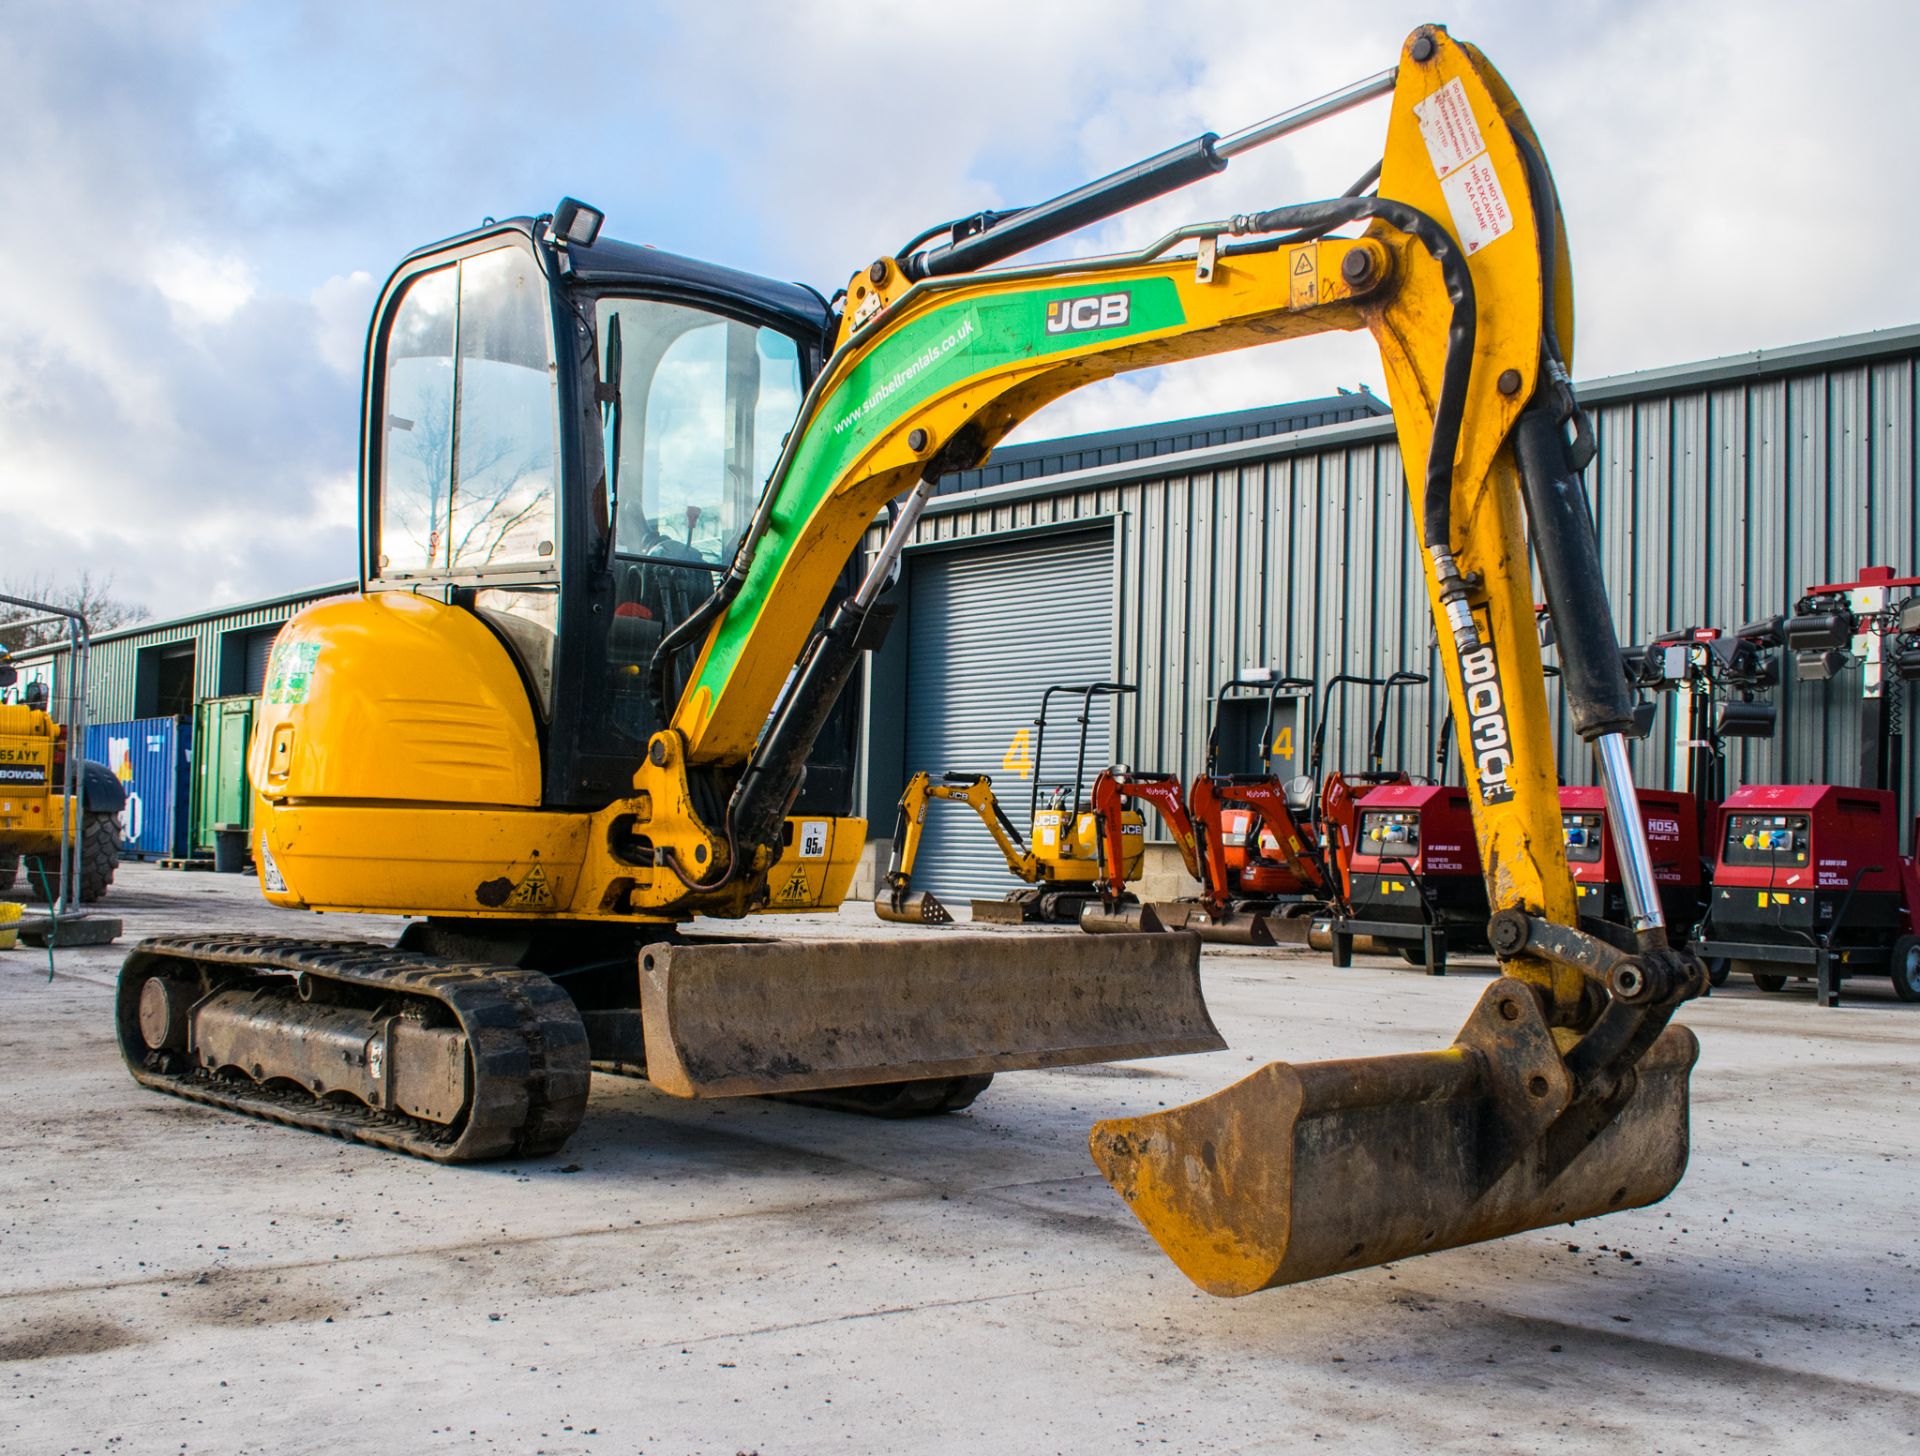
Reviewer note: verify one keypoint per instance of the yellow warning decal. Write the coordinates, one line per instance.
(796, 891)
(533, 892)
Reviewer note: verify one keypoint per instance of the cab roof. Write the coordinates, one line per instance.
(611, 263)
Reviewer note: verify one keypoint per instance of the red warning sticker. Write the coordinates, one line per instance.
(1479, 207)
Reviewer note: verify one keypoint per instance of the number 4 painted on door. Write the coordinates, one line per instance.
(1019, 755)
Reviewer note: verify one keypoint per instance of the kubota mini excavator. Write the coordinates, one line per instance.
(1238, 875)
(572, 705)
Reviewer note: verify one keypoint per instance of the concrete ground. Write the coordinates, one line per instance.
(734, 1277)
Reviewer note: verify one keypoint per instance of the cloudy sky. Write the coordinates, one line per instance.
(205, 197)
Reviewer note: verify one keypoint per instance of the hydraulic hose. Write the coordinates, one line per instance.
(1313, 219)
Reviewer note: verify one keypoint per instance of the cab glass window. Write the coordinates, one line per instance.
(705, 404)
(699, 406)
(469, 466)
(416, 457)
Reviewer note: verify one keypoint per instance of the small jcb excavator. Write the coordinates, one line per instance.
(572, 706)
(1060, 863)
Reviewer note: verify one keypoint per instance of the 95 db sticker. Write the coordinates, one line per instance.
(813, 838)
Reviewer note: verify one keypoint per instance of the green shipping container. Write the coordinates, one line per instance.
(222, 798)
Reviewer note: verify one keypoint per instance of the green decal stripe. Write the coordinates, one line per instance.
(900, 374)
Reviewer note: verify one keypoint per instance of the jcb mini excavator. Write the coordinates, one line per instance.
(571, 707)
(1061, 863)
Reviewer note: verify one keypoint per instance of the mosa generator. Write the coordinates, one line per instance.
(1414, 883)
(1809, 878)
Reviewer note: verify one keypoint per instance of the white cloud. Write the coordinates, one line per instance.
(185, 387)
(341, 306)
(201, 287)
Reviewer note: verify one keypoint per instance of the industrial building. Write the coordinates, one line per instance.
(1172, 556)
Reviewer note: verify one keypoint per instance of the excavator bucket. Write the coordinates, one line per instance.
(739, 1019)
(1299, 1171)
(922, 907)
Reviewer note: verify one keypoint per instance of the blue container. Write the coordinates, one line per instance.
(149, 756)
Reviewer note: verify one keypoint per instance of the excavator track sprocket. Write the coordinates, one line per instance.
(498, 1054)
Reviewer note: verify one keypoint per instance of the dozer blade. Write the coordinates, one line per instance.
(1097, 919)
(1000, 912)
(1289, 929)
(1299, 1171)
(745, 1019)
(922, 907)
(1231, 929)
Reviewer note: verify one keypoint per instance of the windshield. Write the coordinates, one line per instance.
(704, 406)
(468, 464)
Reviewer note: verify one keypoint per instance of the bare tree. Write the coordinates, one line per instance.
(90, 596)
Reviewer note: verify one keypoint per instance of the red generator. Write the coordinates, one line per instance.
(1810, 881)
(1414, 883)
(1673, 837)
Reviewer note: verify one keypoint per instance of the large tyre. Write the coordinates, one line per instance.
(1718, 969)
(99, 857)
(1765, 980)
(9, 870)
(99, 854)
(1905, 968)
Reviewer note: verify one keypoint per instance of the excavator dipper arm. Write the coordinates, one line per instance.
(899, 902)
(1565, 1095)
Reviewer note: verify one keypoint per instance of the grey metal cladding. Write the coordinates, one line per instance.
(1721, 491)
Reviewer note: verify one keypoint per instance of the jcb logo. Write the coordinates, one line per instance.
(1104, 311)
(1487, 732)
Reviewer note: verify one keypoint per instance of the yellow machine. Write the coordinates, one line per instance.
(68, 857)
(1061, 866)
(576, 702)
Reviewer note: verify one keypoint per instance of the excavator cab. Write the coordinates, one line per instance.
(566, 437)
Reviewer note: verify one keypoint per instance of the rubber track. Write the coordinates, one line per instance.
(527, 1046)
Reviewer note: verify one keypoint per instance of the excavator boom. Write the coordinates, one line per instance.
(1569, 1079)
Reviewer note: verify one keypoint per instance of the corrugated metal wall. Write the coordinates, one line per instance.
(114, 667)
(1721, 492)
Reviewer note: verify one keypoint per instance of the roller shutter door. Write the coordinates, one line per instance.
(991, 628)
(259, 654)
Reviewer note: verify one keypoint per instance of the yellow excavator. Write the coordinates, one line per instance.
(588, 692)
(1062, 864)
